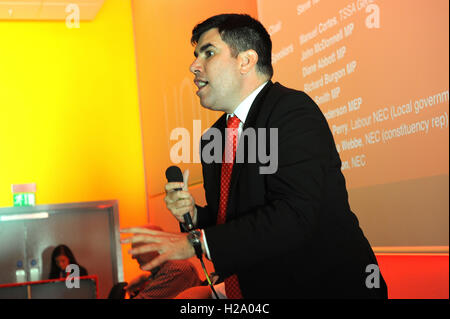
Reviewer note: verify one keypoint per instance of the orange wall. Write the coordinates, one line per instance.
(69, 113)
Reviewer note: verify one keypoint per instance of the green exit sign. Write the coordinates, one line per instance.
(24, 194)
(24, 199)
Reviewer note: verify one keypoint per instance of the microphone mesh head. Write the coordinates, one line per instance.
(174, 174)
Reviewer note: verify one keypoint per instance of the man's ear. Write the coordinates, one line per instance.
(248, 60)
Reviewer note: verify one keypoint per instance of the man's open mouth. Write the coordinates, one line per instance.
(200, 84)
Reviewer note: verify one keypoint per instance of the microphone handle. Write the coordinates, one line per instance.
(187, 217)
(188, 221)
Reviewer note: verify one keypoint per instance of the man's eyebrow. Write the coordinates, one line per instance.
(203, 48)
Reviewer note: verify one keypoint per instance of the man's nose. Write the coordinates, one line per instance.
(195, 66)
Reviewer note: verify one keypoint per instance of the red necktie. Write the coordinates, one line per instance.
(231, 283)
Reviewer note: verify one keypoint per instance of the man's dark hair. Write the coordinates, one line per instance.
(241, 32)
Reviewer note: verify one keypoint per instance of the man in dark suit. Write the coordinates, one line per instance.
(281, 228)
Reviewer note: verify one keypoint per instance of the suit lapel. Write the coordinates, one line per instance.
(212, 171)
(221, 125)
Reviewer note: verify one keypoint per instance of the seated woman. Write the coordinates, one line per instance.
(62, 256)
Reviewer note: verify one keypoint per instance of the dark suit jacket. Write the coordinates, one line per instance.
(290, 234)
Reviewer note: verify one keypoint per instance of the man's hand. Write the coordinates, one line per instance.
(180, 202)
(170, 246)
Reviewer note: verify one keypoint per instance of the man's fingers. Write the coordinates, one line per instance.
(174, 196)
(144, 231)
(140, 230)
(144, 249)
(183, 203)
(172, 186)
(139, 239)
(158, 261)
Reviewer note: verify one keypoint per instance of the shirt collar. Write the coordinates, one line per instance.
(244, 107)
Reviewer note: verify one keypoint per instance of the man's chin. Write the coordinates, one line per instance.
(210, 106)
(206, 105)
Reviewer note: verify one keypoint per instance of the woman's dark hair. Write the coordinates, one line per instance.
(241, 32)
(58, 251)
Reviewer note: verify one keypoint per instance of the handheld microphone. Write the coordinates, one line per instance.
(173, 174)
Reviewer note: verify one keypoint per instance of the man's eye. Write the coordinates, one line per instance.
(209, 53)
